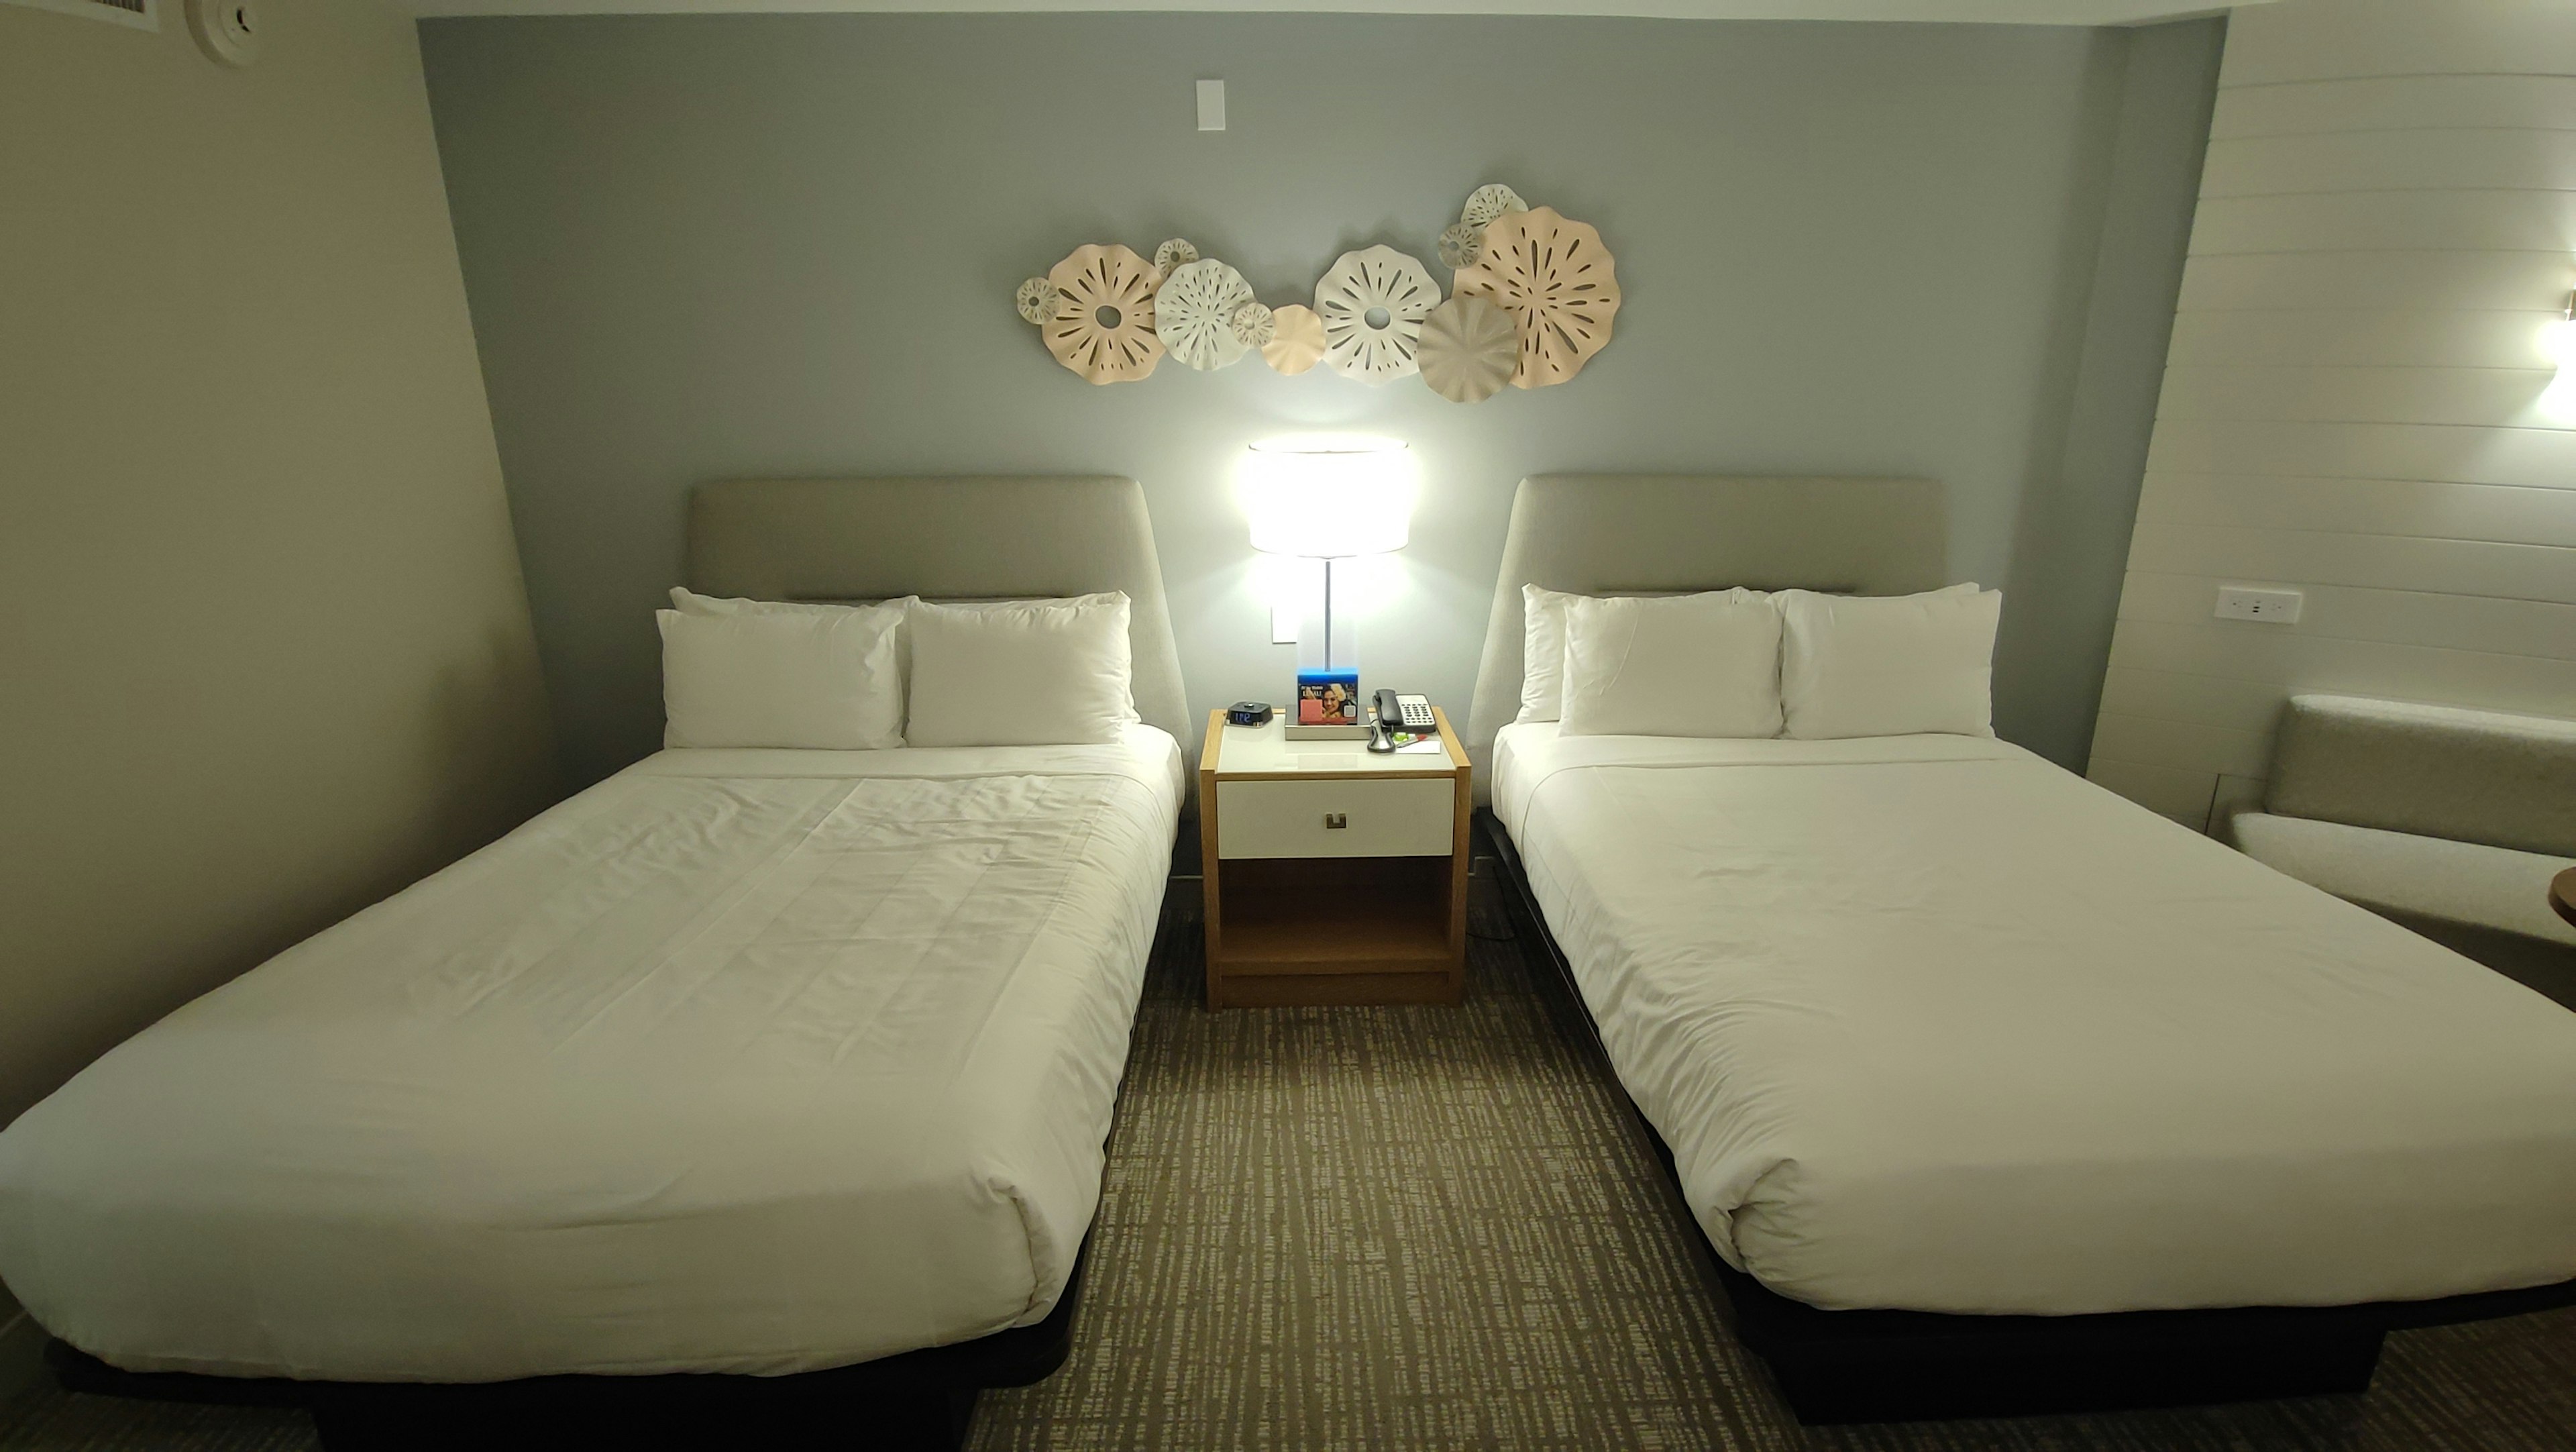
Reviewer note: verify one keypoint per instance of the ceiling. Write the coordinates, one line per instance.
(2009, 12)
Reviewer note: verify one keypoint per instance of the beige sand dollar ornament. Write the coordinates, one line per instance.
(1296, 340)
(1103, 327)
(1194, 313)
(1558, 282)
(1372, 302)
(1036, 300)
(1174, 252)
(1469, 348)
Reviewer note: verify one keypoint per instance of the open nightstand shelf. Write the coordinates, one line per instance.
(1332, 876)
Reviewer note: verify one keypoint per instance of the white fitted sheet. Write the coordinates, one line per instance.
(1932, 1024)
(745, 1061)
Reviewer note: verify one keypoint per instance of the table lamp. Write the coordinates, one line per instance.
(1329, 497)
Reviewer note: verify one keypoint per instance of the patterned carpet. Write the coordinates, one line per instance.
(1435, 1228)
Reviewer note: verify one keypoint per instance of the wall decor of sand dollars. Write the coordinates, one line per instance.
(1532, 300)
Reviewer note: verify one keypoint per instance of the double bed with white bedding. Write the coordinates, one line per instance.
(1991, 1091)
(742, 1060)
(1930, 1023)
(760, 1090)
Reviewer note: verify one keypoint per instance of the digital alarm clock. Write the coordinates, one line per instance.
(1248, 713)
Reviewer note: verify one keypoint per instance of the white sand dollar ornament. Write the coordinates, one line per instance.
(1469, 348)
(1103, 327)
(1461, 244)
(1036, 300)
(1252, 325)
(1296, 340)
(1489, 201)
(1558, 282)
(1194, 313)
(1173, 253)
(1372, 302)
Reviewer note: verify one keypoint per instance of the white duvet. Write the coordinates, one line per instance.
(1932, 1024)
(746, 1061)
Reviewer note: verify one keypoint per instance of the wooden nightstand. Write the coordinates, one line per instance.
(1334, 876)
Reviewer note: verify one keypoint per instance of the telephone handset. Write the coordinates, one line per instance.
(1396, 712)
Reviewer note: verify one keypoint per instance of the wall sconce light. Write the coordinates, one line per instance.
(2558, 401)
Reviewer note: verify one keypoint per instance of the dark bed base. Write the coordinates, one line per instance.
(1881, 1366)
(915, 1402)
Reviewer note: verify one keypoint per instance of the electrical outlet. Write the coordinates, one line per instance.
(2272, 607)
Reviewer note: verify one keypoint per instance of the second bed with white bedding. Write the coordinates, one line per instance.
(1932, 1024)
(740, 1061)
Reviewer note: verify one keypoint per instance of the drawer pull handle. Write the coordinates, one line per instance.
(1336, 821)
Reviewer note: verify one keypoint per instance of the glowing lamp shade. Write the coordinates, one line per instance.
(1329, 496)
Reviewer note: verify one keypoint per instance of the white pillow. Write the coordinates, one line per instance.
(1020, 673)
(688, 602)
(1854, 665)
(1675, 665)
(811, 679)
(1543, 653)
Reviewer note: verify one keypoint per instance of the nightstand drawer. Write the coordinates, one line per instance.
(1399, 817)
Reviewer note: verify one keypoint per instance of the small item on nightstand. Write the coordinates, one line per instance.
(1330, 698)
(1248, 713)
(1399, 721)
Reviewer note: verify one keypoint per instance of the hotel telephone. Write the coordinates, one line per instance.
(1395, 712)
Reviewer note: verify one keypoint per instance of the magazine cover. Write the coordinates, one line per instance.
(1328, 698)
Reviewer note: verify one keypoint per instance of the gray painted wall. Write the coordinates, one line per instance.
(702, 247)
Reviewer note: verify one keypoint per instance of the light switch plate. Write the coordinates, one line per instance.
(2272, 607)
(1211, 105)
(1283, 625)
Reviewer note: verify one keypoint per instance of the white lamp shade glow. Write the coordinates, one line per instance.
(1329, 496)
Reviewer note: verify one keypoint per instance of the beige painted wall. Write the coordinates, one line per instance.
(268, 654)
(2387, 221)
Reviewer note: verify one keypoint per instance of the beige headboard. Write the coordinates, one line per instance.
(1612, 534)
(964, 538)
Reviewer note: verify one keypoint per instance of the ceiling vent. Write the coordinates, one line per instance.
(140, 14)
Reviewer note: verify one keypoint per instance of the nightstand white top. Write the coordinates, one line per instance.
(1267, 751)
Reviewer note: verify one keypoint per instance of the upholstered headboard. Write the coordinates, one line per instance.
(965, 538)
(1614, 534)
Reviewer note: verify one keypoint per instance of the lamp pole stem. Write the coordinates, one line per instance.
(1328, 613)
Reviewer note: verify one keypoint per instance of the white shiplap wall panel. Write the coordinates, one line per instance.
(2361, 338)
(2273, 393)
(2539, 458)
(2173, 696)
(2319, 557)
(2429, 509)
(2434, 159)
(2360, 106)
(2439, 278)
(2349, 409)
(2391, 221)
(2185, 796)
(2181, 745)
(2334, 39)
(2541, 628)
(2291, 660)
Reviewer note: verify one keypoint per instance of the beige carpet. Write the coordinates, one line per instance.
(1434, 1228)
